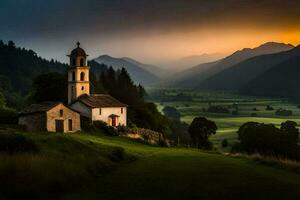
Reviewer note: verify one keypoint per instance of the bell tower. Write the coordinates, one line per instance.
(78, 74)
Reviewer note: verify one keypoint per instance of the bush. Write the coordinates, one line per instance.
(283, 112)
(234, 112)
(218, 109)
(16, 143)
(8, 116)
(269, 107)
(100, 127)
(171, 113)
(224, 143)
(253, 115)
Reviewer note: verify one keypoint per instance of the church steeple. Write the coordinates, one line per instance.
(78, 74)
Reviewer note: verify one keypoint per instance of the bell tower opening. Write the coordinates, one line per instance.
(78, 74)
(82, 76)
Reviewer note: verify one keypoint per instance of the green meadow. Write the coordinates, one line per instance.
(94, 166)
(190, 104)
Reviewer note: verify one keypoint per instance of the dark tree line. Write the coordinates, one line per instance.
(267, 139)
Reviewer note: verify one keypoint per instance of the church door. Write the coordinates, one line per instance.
(114, 121)
(59, 125)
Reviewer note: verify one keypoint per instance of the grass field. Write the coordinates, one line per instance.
(191, 104)
(83, 166)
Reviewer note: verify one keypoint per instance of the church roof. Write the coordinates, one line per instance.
(78, 51)
(100, 100)
(41, 107)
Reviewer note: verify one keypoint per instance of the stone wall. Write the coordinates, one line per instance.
(33, 122)
(147, 135)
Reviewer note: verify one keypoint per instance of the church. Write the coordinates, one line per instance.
(57, 117)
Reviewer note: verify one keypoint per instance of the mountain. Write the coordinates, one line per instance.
(282, 80)
(157, 71)
(182, 79)
(187, 62)
(18, 66)
(137, 73)
(237, 76)
(195, 79)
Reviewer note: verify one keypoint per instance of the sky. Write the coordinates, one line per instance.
(151, 31)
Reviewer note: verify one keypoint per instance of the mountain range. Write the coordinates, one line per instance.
(237, 76)
(141, 73)
(190, 61)
(282, 80)
(195, 76)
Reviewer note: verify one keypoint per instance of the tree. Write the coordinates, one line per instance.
(11, 44)
(171, 113)
(289, 128)
(2, 101)
(200, 130)
(50, 87)
(267, 139)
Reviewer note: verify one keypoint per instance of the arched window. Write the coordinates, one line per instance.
(82, 88)
(73, 62)
(82, 76)
(81, 62)
(73, 76)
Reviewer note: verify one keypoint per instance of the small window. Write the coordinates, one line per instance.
(81, 62)
(99, 111)
(82, 76)
(73, 76)
(70, 125)
(82, 88)
(121, 110)
(61, 113)
(74, 62)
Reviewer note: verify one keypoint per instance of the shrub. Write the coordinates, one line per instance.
(16, 143)
(253, 114)
(108, 130)
(269, 107)
(218, 109)
(100, 127)
(224, 143)
(283, 112)
(8, 116)
(171, 113)
(234, 112)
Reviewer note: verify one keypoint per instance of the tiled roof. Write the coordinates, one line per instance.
(100, 100)
(40, 107)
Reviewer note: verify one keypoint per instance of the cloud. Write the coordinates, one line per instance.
(43, 24)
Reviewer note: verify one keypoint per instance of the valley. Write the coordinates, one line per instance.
(192, 104)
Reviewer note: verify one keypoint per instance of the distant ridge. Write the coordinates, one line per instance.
(138, 73)
(194, 80)
(237, 76)
(282, 80)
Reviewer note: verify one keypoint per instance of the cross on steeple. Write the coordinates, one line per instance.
(78, 44)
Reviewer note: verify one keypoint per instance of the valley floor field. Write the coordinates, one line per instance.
(84, 166)
(191, 104)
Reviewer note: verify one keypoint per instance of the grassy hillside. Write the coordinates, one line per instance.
(83, 166)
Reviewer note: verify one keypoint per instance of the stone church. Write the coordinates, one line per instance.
(57, 117)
